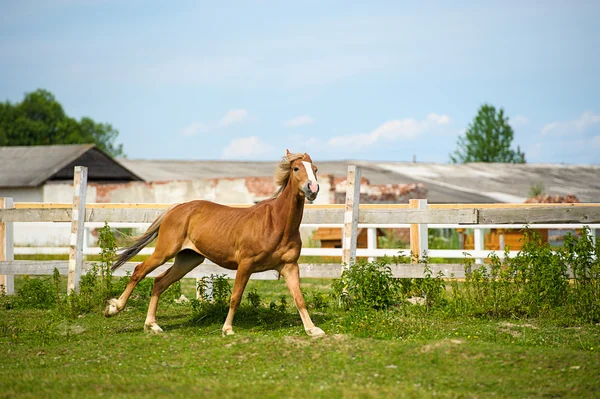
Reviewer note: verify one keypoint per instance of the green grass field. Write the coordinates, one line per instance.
(392, 353)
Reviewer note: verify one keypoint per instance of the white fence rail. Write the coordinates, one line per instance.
(417, 215)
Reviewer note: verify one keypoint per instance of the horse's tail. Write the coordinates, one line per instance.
(140, 242)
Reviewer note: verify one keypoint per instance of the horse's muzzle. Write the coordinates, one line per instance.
(309, 193)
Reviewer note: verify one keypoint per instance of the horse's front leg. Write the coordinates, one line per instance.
(291, 273)
(241, 279)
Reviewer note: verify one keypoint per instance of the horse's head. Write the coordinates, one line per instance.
(305, 174)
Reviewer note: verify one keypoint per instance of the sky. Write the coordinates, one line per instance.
(377, 80)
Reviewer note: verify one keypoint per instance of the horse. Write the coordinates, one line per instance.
(262, 237)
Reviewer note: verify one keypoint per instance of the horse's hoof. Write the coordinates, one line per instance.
(152, 328)
(112, 308)
(315, 332)
(227, 332)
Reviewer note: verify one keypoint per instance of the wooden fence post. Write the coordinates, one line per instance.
(350, 232)
(372, 241)
(7, 247)
(419, 235)
(77, 229)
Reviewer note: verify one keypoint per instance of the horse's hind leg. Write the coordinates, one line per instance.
(185, 261)
(158, 257)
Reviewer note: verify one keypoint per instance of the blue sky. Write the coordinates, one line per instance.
(338, 79)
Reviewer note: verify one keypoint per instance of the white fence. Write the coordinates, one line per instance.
(417, 215)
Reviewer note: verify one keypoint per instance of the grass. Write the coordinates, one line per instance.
(398, 352)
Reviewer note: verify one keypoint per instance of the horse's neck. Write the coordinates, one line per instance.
(289, 208)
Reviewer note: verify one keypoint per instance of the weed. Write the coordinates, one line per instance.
(583, 257)
(36, 293)
(254, 298)
(317, 301)
(368, 285)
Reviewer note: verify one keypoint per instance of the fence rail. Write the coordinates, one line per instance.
(418, 215)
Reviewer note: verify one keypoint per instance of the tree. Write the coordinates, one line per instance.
(40, 120)
(488, 139)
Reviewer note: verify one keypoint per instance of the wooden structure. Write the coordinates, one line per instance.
(498, 239)
(418, 214)
(331, 237)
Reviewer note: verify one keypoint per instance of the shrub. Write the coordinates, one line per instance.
(254, 298)
(583, 258)
(37, 293)
(366, 285)
(535, 282)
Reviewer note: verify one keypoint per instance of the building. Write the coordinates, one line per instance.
(45, 173)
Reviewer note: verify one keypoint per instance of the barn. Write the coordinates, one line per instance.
(32, 173)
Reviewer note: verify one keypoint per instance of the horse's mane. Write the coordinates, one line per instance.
(283, 171)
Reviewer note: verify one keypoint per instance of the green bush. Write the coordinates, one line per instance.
(37, 293)
(96, 286)
(583, 257)
(368, 285)
(254, 298)
(535, 282)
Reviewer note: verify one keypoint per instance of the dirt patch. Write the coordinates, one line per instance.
(445, 344)
(296, 341)
(512, 325)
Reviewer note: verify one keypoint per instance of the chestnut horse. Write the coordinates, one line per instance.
(262, 237)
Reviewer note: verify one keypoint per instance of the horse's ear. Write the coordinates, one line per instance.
(287, 152)
(307, 157)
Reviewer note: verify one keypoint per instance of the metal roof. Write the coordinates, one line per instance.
(446, 183)
(31, 166)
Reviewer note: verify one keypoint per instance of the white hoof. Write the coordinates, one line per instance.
(315, 332)
(112, 308)
(152, 328)
(227, 332)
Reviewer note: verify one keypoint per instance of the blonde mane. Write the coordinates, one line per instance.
(283, 171)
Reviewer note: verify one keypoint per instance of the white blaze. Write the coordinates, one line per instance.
(311, 176)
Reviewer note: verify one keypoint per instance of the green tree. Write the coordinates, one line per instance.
(40, 120)
(488, 139)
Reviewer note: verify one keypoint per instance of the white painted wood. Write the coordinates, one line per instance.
(350, 230)
(372, 241)
(26, 267)
(77, 229)
(501, 240)
(478, 238)
(7, 247)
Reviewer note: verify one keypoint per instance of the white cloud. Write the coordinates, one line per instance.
(585, 121)
(303, 120)
(194, 128)
(519, 120)
(313, 142)
(573, 141)
(400, 129)
(234, 117)
(246, 147)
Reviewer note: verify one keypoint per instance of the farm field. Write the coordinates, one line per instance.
(399, 352)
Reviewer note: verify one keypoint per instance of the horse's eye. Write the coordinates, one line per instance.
(296, 169)
(316, 170)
